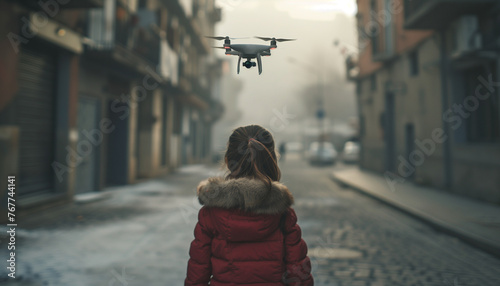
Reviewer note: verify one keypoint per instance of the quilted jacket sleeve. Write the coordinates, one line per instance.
(199, 267)
(298, 265)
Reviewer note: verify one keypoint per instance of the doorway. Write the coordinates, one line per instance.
(88, 146)
(410, 145)
(117, 144)
(389, 133)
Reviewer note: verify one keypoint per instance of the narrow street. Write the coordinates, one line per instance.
(141, 236)
(113, 111)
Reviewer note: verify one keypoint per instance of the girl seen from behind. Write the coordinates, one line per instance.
(247, 232)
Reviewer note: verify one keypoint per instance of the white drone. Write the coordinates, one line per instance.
(249, 51)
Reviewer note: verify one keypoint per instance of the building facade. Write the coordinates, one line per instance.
(429, 111)
(99, 93)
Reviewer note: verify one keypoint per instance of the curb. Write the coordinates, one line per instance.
(469, 238)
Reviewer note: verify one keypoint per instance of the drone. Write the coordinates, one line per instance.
(249, 51)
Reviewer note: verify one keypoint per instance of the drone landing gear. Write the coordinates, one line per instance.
(249, 64)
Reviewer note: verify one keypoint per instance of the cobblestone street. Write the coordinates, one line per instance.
(141, 236)
(355, 240)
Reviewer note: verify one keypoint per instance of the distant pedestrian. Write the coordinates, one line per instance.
(282, 151)
(247, 232)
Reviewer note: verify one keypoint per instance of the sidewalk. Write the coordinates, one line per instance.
(136, 234)
(474, 222)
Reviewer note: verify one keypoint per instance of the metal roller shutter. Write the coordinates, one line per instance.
(36, 108)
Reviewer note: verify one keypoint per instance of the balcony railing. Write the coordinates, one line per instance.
(105, 31)
(436, 14)
(116, 27)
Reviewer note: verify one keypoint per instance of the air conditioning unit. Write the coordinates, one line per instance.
(467, 34)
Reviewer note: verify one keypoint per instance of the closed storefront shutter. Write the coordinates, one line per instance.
(36, 120)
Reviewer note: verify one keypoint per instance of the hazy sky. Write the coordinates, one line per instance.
(315, 25)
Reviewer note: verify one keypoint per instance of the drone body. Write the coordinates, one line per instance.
(249, 51)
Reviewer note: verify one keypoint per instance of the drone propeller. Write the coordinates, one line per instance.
(219, 48)
(224, 38)
(216, 38)
(274, 39)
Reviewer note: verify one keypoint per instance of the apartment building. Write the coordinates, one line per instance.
(98, 93)
(428, 104)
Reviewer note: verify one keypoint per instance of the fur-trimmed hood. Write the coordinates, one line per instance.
(250, 195)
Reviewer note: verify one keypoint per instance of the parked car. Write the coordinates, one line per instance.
(350, 154)
(322, 153)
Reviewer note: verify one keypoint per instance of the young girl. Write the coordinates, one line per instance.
(247, 233)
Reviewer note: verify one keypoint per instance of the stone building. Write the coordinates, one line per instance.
(97, 93)
(426, 75)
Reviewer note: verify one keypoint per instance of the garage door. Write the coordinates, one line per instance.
(36, 119)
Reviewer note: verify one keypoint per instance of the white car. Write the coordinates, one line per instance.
(350, 154)
(322, 153)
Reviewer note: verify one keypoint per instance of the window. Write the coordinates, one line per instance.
(490, 29)
(388, 30)
(413, 60)
(483, 123)
(374, 28)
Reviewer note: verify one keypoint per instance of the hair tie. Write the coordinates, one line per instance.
(251, 139)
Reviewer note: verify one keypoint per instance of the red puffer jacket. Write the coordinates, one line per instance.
(239, 239)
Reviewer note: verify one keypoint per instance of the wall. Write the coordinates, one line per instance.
(417, 100)
(420, 104)
(8, 56)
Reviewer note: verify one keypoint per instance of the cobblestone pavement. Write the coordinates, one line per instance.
(141, 236)
(355, 240)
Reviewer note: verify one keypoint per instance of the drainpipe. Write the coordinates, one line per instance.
(447, 152)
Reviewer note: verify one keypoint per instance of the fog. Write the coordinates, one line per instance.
(296, 70)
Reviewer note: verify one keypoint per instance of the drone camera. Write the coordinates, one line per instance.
(249, 64)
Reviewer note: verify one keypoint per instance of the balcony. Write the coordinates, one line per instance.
(436, 14)
(123, 39)
(189, 25)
